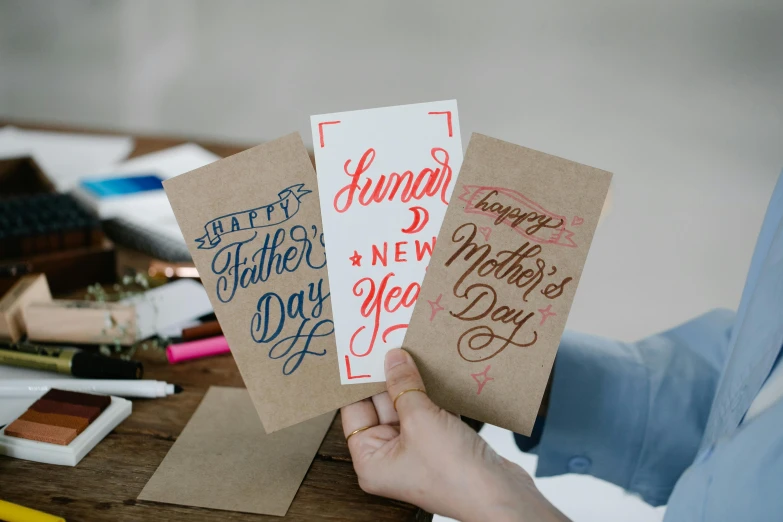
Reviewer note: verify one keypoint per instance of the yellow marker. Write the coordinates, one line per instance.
(16, 513)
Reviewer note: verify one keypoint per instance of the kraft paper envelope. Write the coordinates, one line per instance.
(224, 460)
(504, 272)
(253, 226)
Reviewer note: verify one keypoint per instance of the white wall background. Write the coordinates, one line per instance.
(682, 100)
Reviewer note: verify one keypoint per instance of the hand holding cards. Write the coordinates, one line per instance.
(511, 243)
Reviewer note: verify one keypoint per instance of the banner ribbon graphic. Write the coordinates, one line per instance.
(265, 216)
(525, 217)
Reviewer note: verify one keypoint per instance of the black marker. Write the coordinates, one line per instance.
(71, 361)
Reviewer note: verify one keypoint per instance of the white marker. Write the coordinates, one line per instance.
(146, 389)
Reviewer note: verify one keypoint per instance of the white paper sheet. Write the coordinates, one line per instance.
(169, 162)
(166, 164)
(162, 307)
(379, 239)
(65, 158)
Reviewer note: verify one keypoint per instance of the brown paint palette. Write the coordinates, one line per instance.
(58, 417)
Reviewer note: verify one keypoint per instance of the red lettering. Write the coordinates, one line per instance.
(376, 254)
(391, 329)
(378, 301)
(348, 371)
(422, 248)
(350, 189)
(427, 183)
(409, 300)
(394, 292)
(399, 252)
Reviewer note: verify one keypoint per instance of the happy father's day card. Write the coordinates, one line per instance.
(253, 226)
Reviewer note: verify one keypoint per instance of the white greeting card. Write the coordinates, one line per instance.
(385, 177)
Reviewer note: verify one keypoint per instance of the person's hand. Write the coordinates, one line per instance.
(424, 455)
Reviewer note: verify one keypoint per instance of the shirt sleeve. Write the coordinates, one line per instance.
(634, 413)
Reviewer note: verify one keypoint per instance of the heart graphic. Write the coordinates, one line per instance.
(577, 221)
(485, 231)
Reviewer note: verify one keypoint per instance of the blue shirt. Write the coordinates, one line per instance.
(662, 417)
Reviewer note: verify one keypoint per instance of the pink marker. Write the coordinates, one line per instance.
(197, 349)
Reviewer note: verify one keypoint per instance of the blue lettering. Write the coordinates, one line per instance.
(284, 347)
(227, 261)
(217, 227)
(271, 317)
(285, 250)
(268, 310)
(318, 298)
(299, 235)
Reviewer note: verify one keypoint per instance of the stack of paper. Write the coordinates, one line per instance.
(64, 157)
(152, 228)
(68, 158)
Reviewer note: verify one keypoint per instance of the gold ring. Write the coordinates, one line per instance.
(403, 392)
(354, 432)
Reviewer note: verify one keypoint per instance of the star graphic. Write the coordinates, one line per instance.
(436, 307)
(484, 380)
(356, 259)
(546, 313)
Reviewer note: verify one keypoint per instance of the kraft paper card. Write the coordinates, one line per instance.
(253, 226)
(502, 278)
(224, 460)
(385, 177)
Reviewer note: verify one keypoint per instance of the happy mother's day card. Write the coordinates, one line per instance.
(502, 278)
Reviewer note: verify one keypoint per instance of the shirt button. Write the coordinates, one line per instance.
(579, 464)
(704, 455)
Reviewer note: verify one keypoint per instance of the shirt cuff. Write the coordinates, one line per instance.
(529, 444)
(597, 413)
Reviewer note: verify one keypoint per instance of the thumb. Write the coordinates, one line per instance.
(403, 376)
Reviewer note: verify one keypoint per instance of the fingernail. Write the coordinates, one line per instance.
(395, 357)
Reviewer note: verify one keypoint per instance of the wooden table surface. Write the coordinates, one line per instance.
(105, 484)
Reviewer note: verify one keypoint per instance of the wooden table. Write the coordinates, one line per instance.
(105, 484)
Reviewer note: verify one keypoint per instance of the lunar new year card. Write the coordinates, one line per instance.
(385, 177)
